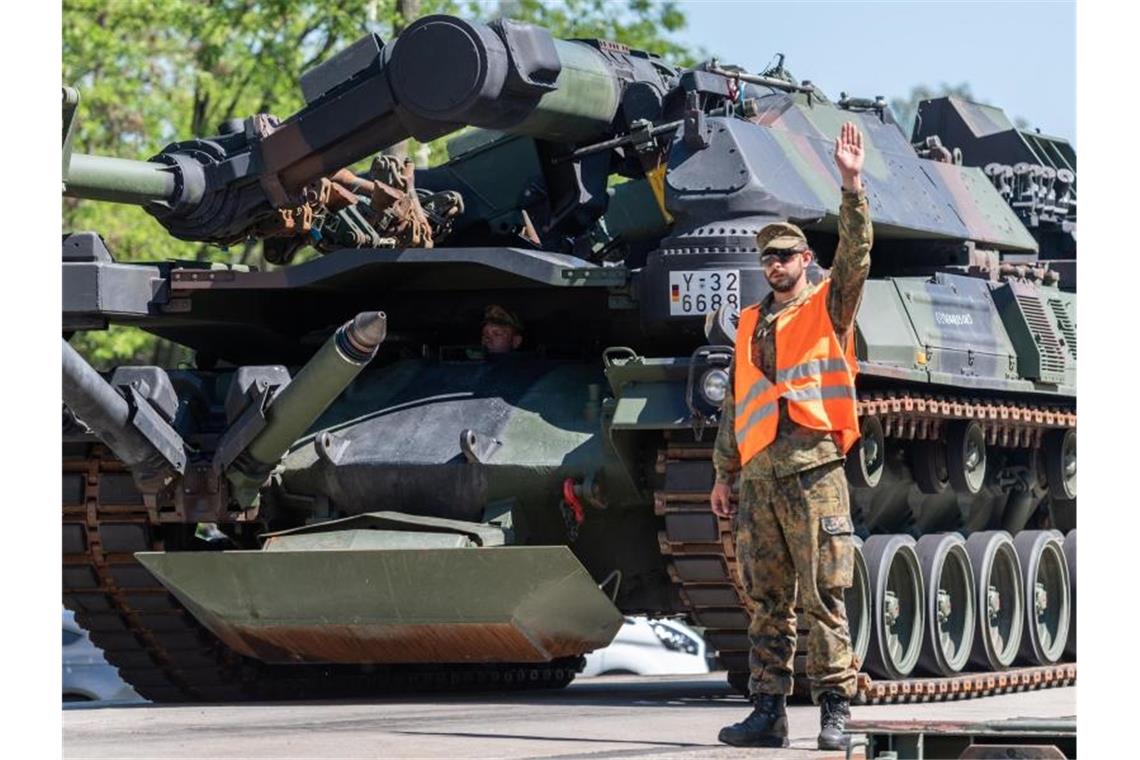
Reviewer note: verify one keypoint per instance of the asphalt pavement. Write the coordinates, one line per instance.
(606, 717)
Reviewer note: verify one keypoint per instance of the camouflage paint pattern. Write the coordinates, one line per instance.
(906, 194)
(794, 538)
(969, 182)
(797, 448)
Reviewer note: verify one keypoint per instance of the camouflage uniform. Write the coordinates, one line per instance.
(793, 522)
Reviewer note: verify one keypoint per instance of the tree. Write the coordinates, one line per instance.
(152, 73)
(406, 12)
(640, 24)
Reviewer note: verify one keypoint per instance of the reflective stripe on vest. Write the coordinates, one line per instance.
(756, 409)
(760, 386)
(814, 375)
(819, 393)
(814, 367)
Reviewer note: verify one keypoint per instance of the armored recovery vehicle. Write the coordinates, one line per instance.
(324, 505)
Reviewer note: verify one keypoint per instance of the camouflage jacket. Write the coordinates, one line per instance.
(797, 448)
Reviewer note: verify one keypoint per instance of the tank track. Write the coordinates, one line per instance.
(701, 558)
(167, 656)
(910, 416)
(966, 685)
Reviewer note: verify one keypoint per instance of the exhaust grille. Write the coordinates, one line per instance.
(1068, 329)
(1052, 359)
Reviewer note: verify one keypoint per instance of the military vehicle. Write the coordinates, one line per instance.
(346, 495)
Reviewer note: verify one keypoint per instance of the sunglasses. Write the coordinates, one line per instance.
(767, 259)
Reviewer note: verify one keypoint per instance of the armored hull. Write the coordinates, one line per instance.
(312, 510)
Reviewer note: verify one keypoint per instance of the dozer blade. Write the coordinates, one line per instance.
(496, 604)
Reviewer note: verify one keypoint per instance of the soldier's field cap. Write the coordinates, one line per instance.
(780, 236)
(497, 315)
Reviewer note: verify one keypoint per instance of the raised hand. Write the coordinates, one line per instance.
(849, 156)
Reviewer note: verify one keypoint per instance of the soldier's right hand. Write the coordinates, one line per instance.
(721, 498)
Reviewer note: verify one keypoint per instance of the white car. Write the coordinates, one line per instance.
(87, 676)
(647, 647)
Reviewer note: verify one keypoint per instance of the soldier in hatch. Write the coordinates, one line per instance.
(502, 330)
(788, 420)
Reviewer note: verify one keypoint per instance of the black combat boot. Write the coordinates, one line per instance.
(834, 712)
(767, 726)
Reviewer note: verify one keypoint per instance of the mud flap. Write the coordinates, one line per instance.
(486, 604)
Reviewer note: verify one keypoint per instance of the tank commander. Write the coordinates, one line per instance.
(502, 330)
(788, 419)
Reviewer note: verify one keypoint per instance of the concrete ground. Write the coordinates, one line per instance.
(611, 716)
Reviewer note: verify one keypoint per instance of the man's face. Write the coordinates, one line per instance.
(784, 269)
(500, 339)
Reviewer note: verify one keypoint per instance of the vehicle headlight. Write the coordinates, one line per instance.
(714, 386)
(674, 639)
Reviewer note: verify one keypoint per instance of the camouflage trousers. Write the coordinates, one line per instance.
(796, 531)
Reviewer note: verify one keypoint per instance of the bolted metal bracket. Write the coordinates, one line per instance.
(247, 426)
(477, 447)
(695, 129)
(945, 607)
(1040, 599)
(329, 447)
(993, 602)
(155, 429)
(892, 610)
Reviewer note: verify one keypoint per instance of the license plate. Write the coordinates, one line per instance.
(703, 290)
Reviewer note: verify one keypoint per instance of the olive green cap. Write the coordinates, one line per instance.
(497, 315)
(780, 236)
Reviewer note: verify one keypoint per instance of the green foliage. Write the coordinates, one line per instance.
(639, 24)
(106, 349)
(150, 74)
(153, 73)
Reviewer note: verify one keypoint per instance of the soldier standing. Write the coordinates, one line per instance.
(788, 419)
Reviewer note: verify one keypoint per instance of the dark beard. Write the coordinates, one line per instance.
(783, 285)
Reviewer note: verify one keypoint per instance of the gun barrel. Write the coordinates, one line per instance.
(440, 74)
(102, 409)
(510, 76)
(298, 405)
(583, 106)
(119, 180)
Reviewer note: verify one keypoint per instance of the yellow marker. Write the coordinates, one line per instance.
(656, 179)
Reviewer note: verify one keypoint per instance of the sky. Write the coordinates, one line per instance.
(1019, 56)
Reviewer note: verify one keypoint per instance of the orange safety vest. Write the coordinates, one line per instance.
(814, 375)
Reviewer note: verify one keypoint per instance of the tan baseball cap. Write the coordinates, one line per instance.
(497, 315)
(780, 236)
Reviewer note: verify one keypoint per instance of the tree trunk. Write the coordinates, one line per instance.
(407, 11)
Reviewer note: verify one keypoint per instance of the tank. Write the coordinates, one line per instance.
(347, 494)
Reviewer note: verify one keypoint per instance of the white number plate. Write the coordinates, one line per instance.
(703, 290)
